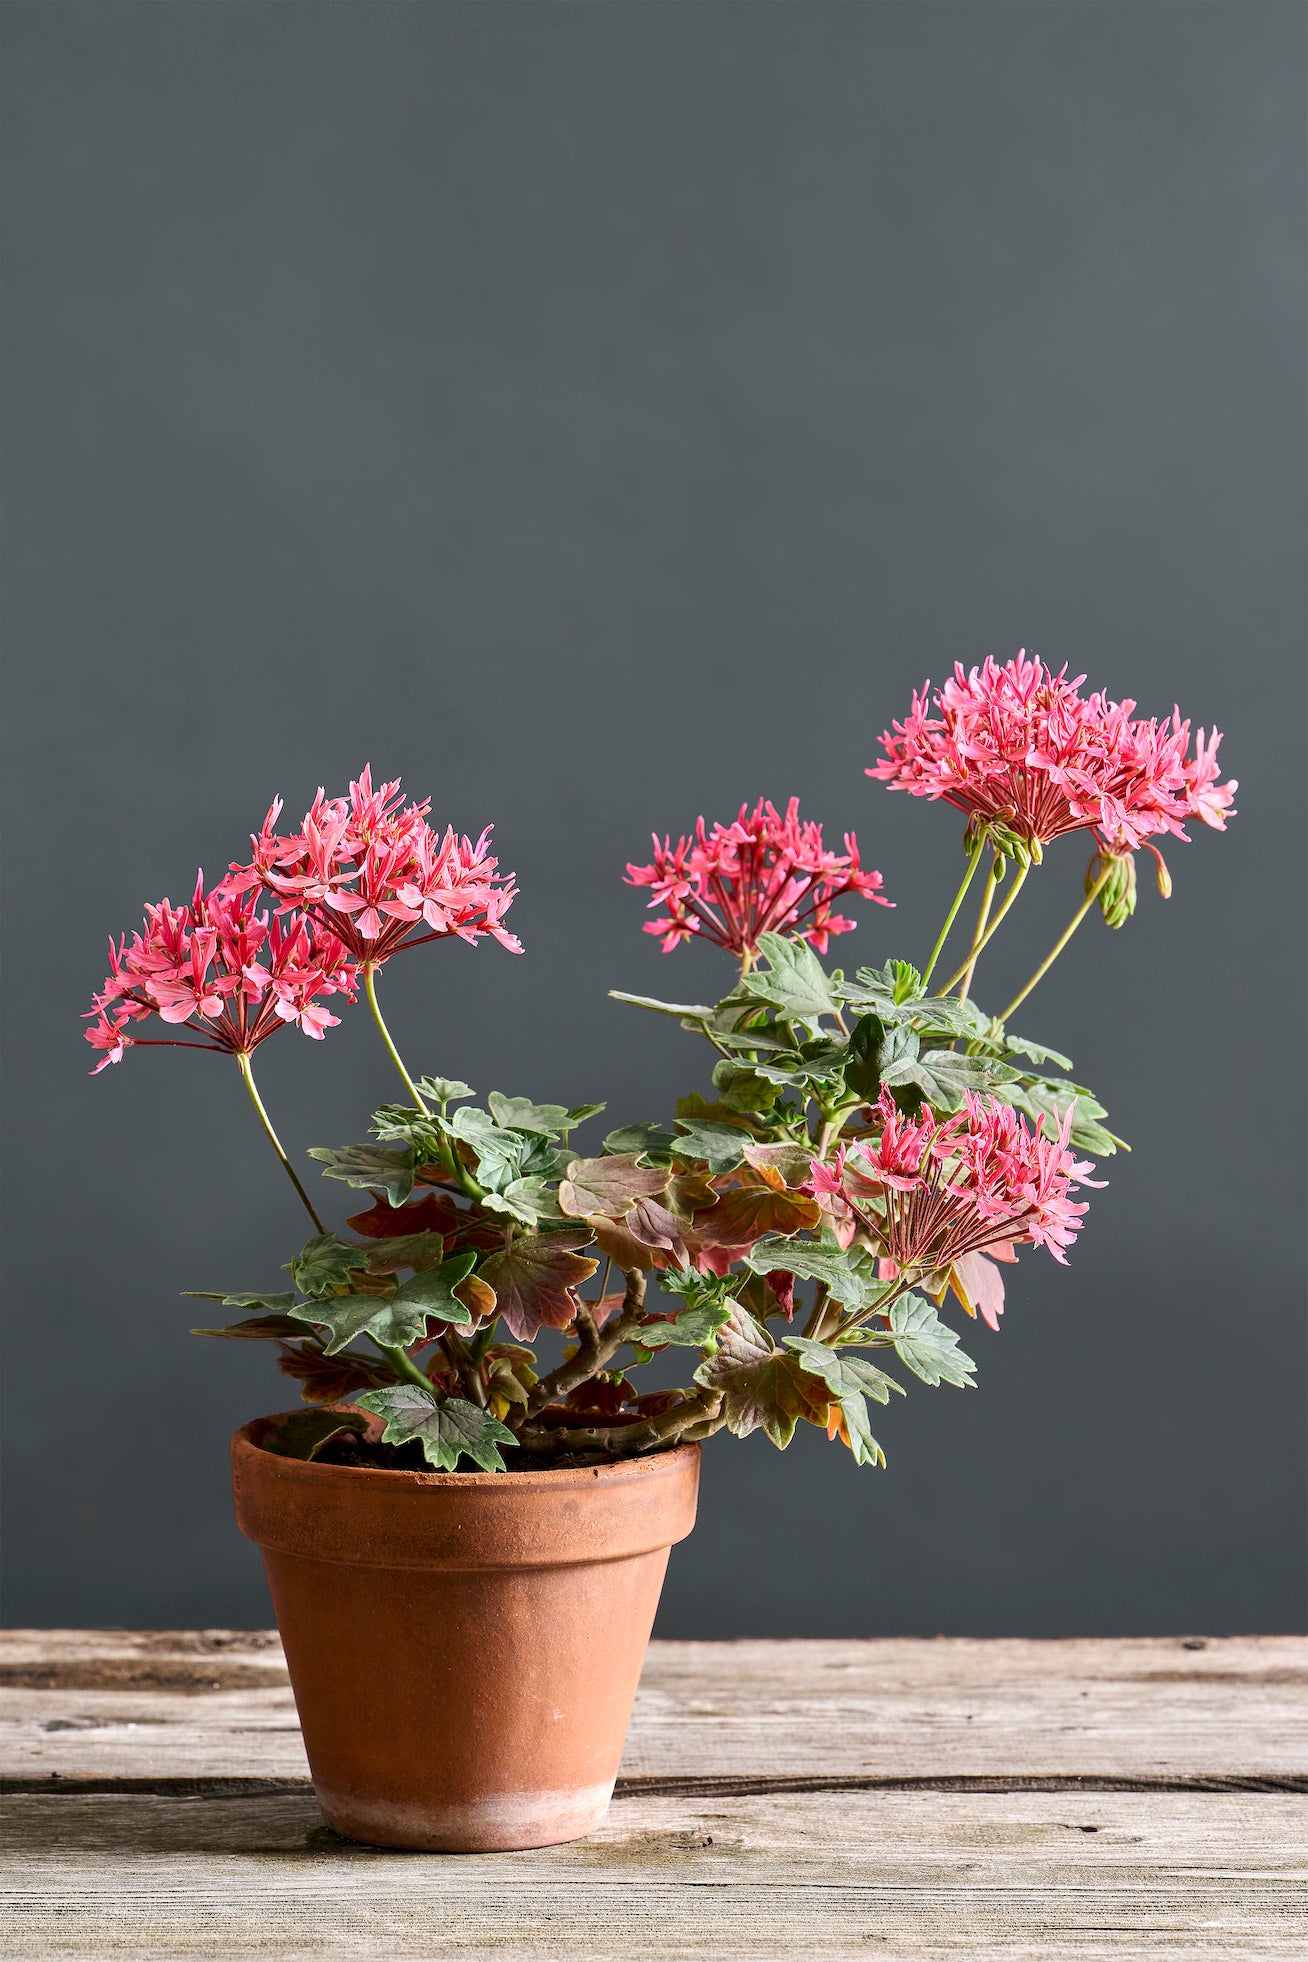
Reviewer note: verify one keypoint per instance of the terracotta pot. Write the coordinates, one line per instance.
(464, 1647)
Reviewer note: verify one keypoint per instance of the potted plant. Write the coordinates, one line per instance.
(465, 1537)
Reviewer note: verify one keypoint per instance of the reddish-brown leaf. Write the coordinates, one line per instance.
(747, 1213)
(793, 1162)
(619, 1244)
(608, 1185)
(477, 1297)
(601, 1397)
(532, 1280)
(326, 1379)
(382, 1221)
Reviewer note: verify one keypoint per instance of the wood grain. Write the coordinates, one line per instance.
(933, 1799)
(813, 1875)
(217, 1704)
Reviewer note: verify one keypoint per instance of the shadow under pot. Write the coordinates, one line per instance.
(464, 1647)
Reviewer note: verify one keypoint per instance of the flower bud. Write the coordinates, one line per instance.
(1162, 877)
(1117, 893)
(1009, 843)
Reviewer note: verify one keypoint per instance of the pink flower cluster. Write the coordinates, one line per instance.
(222, 969)
(762, 874)
(1022, 748)
(930, 1191)
(356, 878)
(370, 868)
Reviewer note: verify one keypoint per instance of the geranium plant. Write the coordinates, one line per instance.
(866, 1148)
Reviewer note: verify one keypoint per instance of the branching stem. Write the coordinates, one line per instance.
(986, 933)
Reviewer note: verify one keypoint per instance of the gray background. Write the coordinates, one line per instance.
(600, 414)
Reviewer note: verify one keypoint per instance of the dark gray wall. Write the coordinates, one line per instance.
(600, 414)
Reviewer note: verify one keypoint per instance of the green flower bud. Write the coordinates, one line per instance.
(1013, 844)
(1117, 894)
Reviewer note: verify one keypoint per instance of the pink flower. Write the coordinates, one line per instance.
(1021, 748)
(928, 1191)
(216, 966)
(370, 868)
(763, 874)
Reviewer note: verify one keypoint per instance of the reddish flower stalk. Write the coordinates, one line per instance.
(930, 1191)
(762, 874)
(1021, 749)
(219, 968)
(370, 868)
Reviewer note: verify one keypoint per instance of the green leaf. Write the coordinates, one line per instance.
(720, 1146)
(943, 1077)
(385, 1168)
(520, 1114)
(759, 1382)
(927, 1345)
(447, 1430)
(300, 1433)
(528, 1200)
(326, 1262)
(579, 1114)
(406, 1125)
(444, 1089)
(691, 1330)
(500, 1154)
(814, 1062)
(1034, 1051)
(742, 1087)
(431, 1292)
(845, 1375)
(263, 1328)
(689, 1010)
(864, 1446)
(608, 1185)
(794, 982)
(276, 1304)
(875, 1048)
(395, 1321)
(850, 1275)
(884, 989)
(947, 1020)
(643, 1140)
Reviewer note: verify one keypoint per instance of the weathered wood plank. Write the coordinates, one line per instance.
(86, 1704)
(927, 1875)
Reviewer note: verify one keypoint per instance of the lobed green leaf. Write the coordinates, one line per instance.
(448, 1429)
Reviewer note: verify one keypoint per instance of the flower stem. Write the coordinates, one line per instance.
(1060, 943)
(974, 859)
(243, 1063)
(370, 987)
(405, 1367)
(985, 934)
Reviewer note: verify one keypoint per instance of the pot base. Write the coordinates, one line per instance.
(502, 1822)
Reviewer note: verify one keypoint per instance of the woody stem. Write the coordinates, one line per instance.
(247, 1076)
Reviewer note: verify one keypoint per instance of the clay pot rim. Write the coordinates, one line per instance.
(557, 1478)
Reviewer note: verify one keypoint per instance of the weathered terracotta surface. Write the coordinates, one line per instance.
(464, 1647)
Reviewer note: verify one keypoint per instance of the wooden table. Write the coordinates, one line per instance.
(960, 1799)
